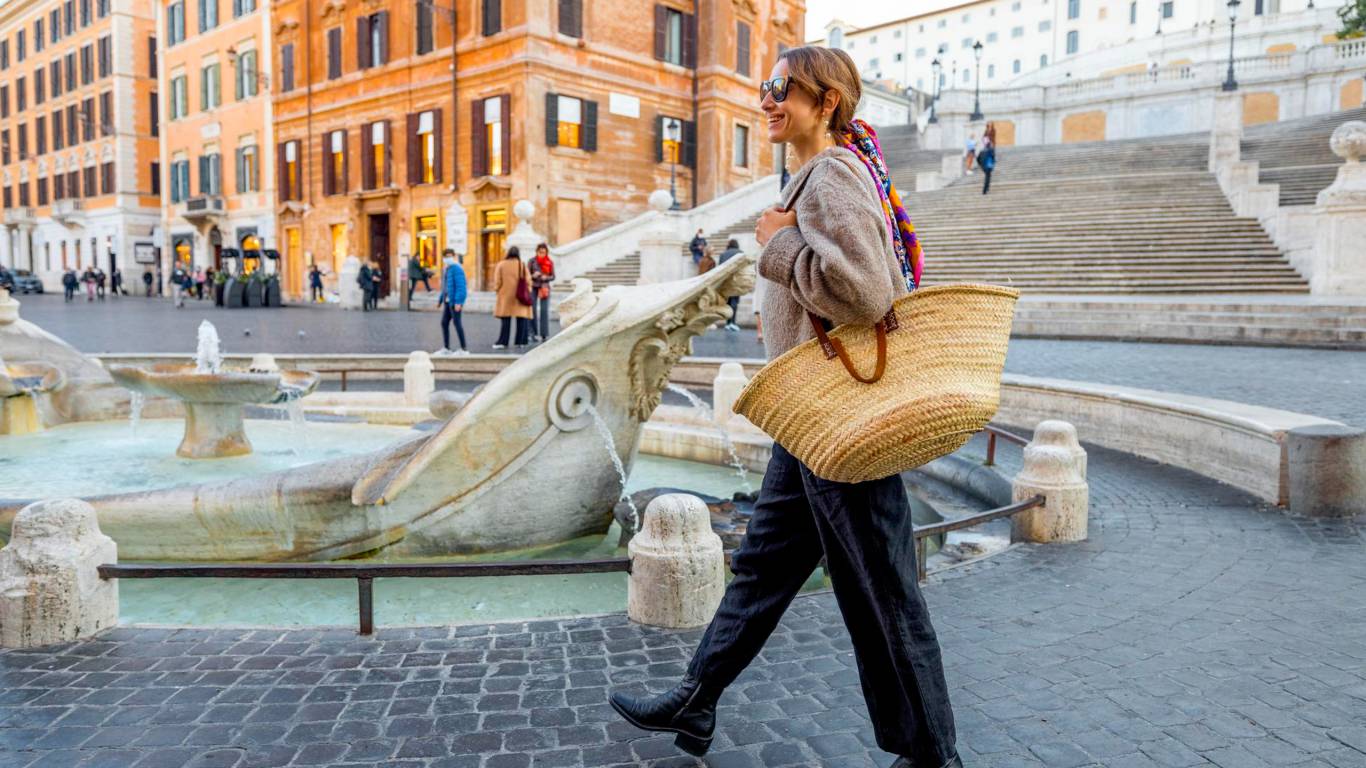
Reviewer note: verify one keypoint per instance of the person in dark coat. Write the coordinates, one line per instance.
(696, 246)
(315, 283)
(69, 283)
(364, 281)
(732, 250)
(147, 282)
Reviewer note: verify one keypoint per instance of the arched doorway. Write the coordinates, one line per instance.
(216, 248)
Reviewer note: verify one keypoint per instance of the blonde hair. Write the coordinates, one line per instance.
(818, 70)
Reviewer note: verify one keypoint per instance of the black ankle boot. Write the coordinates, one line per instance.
(686, 710)
(905, 762)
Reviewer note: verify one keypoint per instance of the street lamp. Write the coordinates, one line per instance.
(1160, 3)
(977, 89)
(673, 132)
(937, 68)
(1229, 83)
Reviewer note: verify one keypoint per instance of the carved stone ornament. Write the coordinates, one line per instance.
(286, 27)
(330, 7)
(745, 9)
(1349, 141)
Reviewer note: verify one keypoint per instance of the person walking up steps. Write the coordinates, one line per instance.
(453, 294)
(986, 156)
(969, 153)
(732, 250)
(841, 246)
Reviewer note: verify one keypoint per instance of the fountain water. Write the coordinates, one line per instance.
(705, 410)
(606, 434)
(208, 358)
(135, 411)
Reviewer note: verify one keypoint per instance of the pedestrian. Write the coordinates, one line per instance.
(417, 272)
(842, 246)
(696, 245)
(160, 291)
(180, 282)
(147, 281)
(707, 262)
(210, 285)
(100, 279)
(969, 152)
(363, 280)
(88, 278)
(986, 155)
(199, 278)
(315, 283)
(116, 282)
(69, 283)
(542, 275)
(508, 277)
(453, 294)
(376, 282)
(732, 250)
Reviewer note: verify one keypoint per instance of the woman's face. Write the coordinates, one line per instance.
(542, 252)
(797, 115)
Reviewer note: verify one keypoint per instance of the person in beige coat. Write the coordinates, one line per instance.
(506, 307)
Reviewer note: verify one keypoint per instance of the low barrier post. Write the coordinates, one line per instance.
(1054, 467)
(677, 565)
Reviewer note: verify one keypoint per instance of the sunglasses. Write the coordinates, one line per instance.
(777, 87)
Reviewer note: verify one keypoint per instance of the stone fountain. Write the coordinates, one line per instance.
(22, 383)
(214, 399)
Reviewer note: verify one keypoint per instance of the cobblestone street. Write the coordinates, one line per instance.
(1195, 627)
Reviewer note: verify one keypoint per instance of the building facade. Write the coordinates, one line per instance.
(78, 144)
(217, 144)
(402, 128)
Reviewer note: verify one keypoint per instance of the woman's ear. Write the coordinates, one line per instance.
(832, 101)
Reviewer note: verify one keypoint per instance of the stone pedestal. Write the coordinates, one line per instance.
(9, 307)
(928, 181)
(1339, 262)
(677, 566)
(213, 431)
(348, 290)
(662, 257)
(1326, 468)
(524, 237)
(725, 388)
(1054, 466)
(951, 167)
(418, 380)
(1226, 134)
(50, 590)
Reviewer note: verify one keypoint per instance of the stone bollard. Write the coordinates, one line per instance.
(1340, 218)
(50, 590)
(348, 290)
(418, 380)
(9, 307)
(725, 388)
(263, 362)
(1054, 466)
(677, 566)
(1326, 464)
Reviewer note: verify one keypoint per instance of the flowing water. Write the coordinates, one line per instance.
(706, 412)
(135, 411)
(606, 434)
(208, 358)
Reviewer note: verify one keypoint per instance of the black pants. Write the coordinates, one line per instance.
(448, 316)
(986, 184)
(70, 291)
(315, 292)
(413, 281)
(521, 336)
(864, 531)
(540, 324)
(734, 303)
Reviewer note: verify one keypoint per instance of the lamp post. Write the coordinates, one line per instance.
(1231, 84)
(937, 68)
(673, 132)
(977, 88)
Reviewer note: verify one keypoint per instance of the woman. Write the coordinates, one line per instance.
(842, 247)
(986, 156)
(542, 275)
(509, 272)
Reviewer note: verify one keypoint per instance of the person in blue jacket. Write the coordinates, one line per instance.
(453, 293)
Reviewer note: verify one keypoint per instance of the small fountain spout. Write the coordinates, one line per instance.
(208, 358)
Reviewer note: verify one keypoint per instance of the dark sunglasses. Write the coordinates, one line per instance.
(777, 87)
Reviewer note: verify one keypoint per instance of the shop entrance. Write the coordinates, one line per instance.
(493, 227)
(379, 249)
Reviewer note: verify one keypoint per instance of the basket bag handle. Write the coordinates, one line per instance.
(832, 347)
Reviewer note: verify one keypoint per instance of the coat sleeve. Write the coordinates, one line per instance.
(498, 278)
(834, 261)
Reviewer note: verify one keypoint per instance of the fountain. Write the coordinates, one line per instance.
(22, 383)
(213, 398)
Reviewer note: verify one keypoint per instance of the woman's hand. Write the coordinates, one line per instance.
(774, 219)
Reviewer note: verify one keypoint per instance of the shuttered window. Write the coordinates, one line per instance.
(107, 113)
(105, 57)
(426, 36)
(571, 122)
(571, 17)
(88, 119)
(424, 147)
(290, 170)
(248, 167)
(335, 176)
(287, 67)
(372, 40)
(491, 147)
(334, 53)
(40, 135)
(675, 36)
(39, 87)
(675, 141)
(742, 49)
(493, 17)
(107, 178)
(376, 168)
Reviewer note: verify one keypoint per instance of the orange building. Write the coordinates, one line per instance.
(78, 140)
(390, 145)
(217, 147)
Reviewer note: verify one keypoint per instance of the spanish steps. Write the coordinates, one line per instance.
(1295, 154)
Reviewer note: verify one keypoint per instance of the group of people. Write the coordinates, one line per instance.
(521, 299)
(371, 280)
(702, 256)
(95, 280)
(982, 153)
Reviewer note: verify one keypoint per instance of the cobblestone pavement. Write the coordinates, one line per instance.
(1195, 627)
(1326, 383)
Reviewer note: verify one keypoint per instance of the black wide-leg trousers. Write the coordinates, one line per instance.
(864, 530)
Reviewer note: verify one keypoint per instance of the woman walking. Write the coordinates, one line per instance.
(507, 276)
(542, 276)
(986, 156)
(840, 246)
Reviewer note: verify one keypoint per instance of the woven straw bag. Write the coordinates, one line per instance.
(937, 380)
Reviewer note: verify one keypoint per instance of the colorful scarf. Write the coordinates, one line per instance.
(861, 139)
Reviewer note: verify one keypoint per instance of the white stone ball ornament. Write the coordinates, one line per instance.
(1349, 141)
(661, 200)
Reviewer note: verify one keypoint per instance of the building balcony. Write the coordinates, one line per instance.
(68, 211)
(19, 216)
(202, 208)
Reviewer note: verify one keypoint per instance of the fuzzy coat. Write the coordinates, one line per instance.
(505, 277)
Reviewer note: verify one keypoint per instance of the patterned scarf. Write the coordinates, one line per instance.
(861, 139)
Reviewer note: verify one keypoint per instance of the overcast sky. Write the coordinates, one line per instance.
(864, 13)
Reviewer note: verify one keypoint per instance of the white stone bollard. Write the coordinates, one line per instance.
(418, 380)
(348, 290)
(263, 362)
(50, 589)
(1054, 466)
(9, 307)
(1339, 266)
(725, 388)
(677, 565)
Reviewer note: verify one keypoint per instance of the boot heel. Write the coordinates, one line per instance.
(692, 745)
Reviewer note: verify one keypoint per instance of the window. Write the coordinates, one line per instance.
(248, 169)
(179, 100)
(42, 191)
(1168, 8)
(88, 177)
(245, 76)
(424, 147)
(677, 141)
(991, 71)
(836, 38)
(40, 135)
(967, 42)
(291, 178)
(850, 47)
(967, 75)
(1045, 25)
(242, 7)
(943, 23)
(739, 155)
(334, 163)
(210, 87)
(1017, 32)
(208, 15)
(920, 53)
(88, 119)
(58, 187)
(107, 178)
(1043, 60)
(873, 63)
(107, 113)
(1133, 12)
(287, 67)
(4, 101)
(571, 122)
(69, 17)
(38, 40)
(23, 194)
(152, 56)
(156, 178)
(742, 49)
(372, 40)
(4, 147)
(54, 26)
(493, 17)
(39, 90)
(175, 23)
(180, 180)
(1015, 67)
(101, 8)
(58, 135)
(73, 126)
(491, 148)
(571, 17)
(991, 37)
(19, 47)
(1015, 6)
(426, 35)
(374, 143)
(1073, 9)
(85, 13)
(896, 35)
(106, 58)
(896, 56)
(155, 113)
(1072, 41)
(675, 36)
(334, 53)
(21, 130)
(70, 62)
(20, 95)
(87, 64)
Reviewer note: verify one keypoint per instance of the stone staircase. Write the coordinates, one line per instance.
(1296, 155)
(626, 270)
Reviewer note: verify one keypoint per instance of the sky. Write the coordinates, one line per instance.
(864, 13)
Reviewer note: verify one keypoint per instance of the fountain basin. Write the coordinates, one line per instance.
(214, 401)
(19, 386)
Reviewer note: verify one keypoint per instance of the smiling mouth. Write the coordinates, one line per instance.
(774, 120)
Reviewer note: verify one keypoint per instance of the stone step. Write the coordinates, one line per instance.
(1198, 332)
